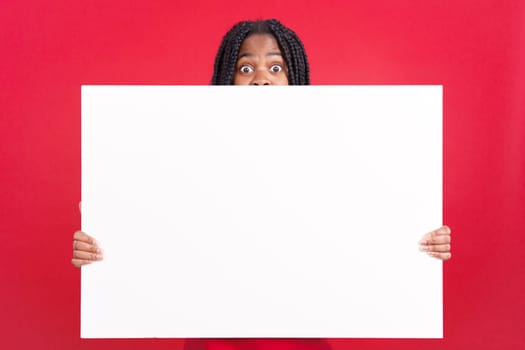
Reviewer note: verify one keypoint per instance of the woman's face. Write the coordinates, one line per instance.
(260, 62)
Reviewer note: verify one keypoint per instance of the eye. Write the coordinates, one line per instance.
(246, 69)
(276, 68)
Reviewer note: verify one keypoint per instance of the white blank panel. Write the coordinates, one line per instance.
(261, 212)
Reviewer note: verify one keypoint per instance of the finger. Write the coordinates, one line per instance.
(83, 237)
(440, 248)
(80, 262)
(439, 236)
(77, 254)
(440, 256)
(86, 247)
(438, 240)
(443, 230)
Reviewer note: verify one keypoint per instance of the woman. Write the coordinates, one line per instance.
(260, 53)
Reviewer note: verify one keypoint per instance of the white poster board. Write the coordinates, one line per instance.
(261, 212)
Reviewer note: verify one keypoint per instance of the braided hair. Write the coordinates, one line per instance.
(291, 47)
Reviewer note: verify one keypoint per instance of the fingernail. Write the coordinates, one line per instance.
(445, 229)
(423, 248)
(99, 257)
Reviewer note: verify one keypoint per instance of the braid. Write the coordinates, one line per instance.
(291, 46)
(226, 58)
(294, 53)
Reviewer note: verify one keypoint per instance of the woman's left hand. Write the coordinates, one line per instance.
(437, 243)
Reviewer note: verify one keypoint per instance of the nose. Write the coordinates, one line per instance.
(260, 78)
(261, 82)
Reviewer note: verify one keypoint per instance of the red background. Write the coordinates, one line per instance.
(475, 48)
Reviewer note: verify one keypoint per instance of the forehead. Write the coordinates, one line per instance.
(259, 44)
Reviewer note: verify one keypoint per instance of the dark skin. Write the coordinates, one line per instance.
(261, 63)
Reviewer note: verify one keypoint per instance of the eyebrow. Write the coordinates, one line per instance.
(248, 54)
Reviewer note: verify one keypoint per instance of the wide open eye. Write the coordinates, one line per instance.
(276, 68)
(245, 69)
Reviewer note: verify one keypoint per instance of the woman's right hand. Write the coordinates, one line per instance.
(85, 249)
